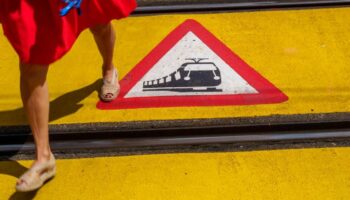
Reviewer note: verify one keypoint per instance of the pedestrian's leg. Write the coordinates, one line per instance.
(104, 36)
(35, 98)
(105, 39)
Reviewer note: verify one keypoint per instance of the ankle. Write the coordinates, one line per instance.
(107, 67)
(43, 156)
(109, 72)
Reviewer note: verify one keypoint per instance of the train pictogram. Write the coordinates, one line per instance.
(195, 75)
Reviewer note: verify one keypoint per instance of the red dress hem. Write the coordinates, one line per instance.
(40, 36)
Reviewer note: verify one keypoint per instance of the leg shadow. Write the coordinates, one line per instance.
(69, 103)
(12, 168)
(23, 195)
(62, 106)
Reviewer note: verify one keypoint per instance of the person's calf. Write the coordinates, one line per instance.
(104, 36)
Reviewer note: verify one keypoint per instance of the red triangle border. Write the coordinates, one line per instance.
(267, 92)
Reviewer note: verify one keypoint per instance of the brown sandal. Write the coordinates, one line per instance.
(110, 89)
(36, 176)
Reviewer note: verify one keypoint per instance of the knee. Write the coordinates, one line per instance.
(33, 73)
(101, 29)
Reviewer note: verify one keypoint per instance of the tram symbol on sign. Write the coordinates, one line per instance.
(191, 76)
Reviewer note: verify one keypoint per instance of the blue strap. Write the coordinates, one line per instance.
(71, 4)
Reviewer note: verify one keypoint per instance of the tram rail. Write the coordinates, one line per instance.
(110, 138)
(166, 6)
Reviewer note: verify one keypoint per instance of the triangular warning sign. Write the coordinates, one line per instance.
(191, 67)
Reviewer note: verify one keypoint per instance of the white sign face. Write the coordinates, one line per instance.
(190, 68)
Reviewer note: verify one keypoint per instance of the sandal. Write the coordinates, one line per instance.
(36, 176)
(110, 89)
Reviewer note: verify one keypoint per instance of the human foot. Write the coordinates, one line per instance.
(36, 176)
(110, 87)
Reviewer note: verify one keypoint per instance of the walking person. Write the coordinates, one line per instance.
(40, 36)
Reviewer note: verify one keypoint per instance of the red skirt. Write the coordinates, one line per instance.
(41, 36)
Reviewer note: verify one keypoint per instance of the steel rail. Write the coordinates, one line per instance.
(110, 140)
(187, 6)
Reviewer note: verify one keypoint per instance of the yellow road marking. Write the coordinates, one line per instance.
(279, 174)
(305, 53)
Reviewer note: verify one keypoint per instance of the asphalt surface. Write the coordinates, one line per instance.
(136, 126)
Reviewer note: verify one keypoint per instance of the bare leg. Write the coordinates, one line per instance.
(104, 36)
(35, 98)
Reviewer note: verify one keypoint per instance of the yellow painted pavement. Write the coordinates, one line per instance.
(279, 174)
(305, 53)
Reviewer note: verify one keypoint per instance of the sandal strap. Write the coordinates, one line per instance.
(30, 177)
(114, 78)
(43, 166)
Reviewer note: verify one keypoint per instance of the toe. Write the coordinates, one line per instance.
(19, 182)
(109, 95)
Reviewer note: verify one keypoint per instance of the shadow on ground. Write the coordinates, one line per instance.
(64, 105)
